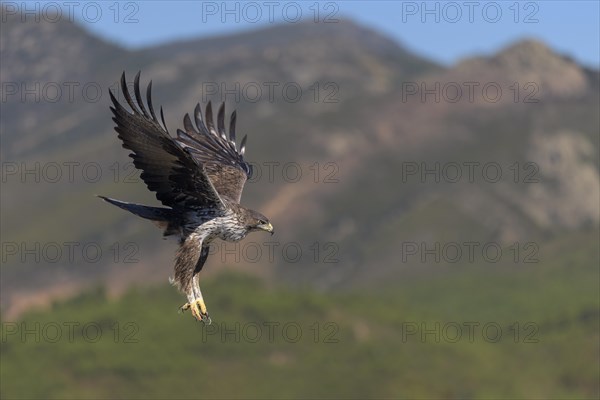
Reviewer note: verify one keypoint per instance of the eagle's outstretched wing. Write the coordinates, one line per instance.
(216, 150)
(167, 168)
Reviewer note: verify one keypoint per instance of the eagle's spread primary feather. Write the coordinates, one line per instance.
(199, 176)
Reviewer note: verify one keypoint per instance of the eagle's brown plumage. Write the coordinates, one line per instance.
(199, 176)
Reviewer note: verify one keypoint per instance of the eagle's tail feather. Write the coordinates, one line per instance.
(162, 217)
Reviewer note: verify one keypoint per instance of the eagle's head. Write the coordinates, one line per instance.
(255, 221)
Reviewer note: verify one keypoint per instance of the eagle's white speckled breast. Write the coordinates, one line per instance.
(226, 227)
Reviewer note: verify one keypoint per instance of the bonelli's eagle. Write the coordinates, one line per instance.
(198, 175)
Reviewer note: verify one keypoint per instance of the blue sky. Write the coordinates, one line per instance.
(444, 31)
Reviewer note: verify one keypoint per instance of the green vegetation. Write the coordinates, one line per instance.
(353, 344)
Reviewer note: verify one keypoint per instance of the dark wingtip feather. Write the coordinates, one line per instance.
(114, 100)
(162, 117)
(198, 119)
(187, 124)
(138, 96)
(243, 145)
(123, 83)
(208, 116)
(221, 121)
(232, 121)
(149, 100)
(125, 91)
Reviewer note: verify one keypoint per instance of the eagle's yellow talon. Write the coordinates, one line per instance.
(198, 310)
(184, 308)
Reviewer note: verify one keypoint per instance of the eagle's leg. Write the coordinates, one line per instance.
(194, 294)
(197, 305)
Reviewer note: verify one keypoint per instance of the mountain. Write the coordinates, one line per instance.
(360, 119)
(510, 158)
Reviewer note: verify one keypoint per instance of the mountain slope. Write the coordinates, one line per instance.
(353, 134)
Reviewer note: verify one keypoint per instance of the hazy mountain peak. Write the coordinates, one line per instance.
(307, 32)
(530, 61)
(529, 53)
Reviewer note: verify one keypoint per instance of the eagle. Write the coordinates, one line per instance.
(198, 176)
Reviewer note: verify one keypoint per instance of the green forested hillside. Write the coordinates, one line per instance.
(432, 337)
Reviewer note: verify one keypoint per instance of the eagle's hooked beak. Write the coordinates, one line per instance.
(267, 228)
